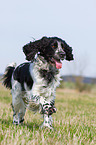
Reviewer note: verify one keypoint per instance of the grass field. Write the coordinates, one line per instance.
(74, 122)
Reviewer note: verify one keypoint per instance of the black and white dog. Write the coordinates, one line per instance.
(33, 84)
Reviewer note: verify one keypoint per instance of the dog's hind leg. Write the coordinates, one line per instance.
(18, 110)
(21, 113)
(17, 103)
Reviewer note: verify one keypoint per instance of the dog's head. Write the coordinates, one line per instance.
(53, 49)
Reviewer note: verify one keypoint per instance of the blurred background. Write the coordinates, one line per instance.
(74, 21)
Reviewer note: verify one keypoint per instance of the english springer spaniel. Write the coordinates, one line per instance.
(33, 84)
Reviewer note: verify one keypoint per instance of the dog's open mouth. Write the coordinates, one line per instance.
(57, 63)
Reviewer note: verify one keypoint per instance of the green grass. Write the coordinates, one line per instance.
(74, 122)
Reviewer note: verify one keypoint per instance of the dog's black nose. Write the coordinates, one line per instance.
(62, 54)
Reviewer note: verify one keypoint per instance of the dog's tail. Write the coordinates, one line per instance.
(8, 75)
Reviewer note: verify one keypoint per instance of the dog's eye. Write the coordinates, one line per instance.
(55, 45)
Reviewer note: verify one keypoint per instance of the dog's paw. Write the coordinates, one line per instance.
(48, 109)
(51, 110)
(18, 122)
(46, 126)
(15, 122)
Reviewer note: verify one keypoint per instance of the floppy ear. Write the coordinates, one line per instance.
(68, 51)
(30, 50)
(69, 55)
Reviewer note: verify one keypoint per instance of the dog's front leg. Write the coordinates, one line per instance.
(47, 110)
(47, 121)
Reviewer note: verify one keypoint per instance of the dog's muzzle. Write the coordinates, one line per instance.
(57, 59)
(62, 55)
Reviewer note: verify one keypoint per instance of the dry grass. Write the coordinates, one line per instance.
(74, 122)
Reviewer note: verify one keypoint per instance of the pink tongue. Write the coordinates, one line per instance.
(58, 65)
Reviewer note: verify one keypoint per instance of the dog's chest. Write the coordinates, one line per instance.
(45, 81)
(47, 75)
(50, 80)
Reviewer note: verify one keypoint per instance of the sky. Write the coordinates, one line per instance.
(72, 20)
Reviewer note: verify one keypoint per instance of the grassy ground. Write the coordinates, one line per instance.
(74, 122)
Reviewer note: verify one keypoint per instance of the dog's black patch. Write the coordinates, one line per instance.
(48, 75)
(22, 74)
